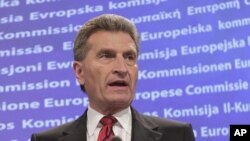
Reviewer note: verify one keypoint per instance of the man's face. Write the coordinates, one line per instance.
(109, 71)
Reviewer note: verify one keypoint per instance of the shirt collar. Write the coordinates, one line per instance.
(95, 118)
(123, 117)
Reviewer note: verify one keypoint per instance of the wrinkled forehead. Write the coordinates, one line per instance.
(108, 40)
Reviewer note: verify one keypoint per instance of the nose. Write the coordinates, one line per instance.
(120, 67)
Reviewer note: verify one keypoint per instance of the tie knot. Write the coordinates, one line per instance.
(108, 120)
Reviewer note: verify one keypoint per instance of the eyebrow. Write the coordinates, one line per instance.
(103, 50)
(130, 52)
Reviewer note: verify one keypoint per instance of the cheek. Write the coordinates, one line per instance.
(90, 77)
(97, 77)
(134, 75)
(135, 71)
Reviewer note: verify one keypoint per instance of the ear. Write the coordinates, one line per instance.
(79, 73)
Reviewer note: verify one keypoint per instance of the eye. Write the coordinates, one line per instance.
(130, 58)
(106, 54)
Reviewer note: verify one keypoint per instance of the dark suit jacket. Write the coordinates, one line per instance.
(144, 128)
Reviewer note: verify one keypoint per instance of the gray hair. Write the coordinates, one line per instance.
(106, 22)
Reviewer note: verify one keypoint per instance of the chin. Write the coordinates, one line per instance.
(121, 97)
(120, 105)
(121, 101)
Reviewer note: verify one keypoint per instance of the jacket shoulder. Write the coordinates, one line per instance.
(171, 129)
(56, 133)
(163, 122)
(52, 134)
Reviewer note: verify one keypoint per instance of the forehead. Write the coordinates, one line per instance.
(111, 40)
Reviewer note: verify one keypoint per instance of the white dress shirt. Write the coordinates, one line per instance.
(122, 127)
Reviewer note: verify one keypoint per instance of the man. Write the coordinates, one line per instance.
(105, 54)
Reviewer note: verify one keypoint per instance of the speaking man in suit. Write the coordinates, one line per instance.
(105, 64)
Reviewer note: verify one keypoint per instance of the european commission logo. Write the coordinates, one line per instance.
(239, 132)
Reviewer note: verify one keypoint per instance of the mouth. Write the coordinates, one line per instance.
(118, 83)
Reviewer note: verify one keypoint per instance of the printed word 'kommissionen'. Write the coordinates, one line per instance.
(185, 70)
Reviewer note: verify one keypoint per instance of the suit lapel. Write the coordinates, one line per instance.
(77, 132)
(143, 130)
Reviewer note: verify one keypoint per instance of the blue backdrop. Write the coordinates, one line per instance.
(194, 62)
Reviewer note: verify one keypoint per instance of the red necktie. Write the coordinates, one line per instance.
(106, 132)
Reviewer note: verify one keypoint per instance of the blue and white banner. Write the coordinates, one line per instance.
(194, 62)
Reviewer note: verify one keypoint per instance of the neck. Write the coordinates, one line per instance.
(108, 110)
